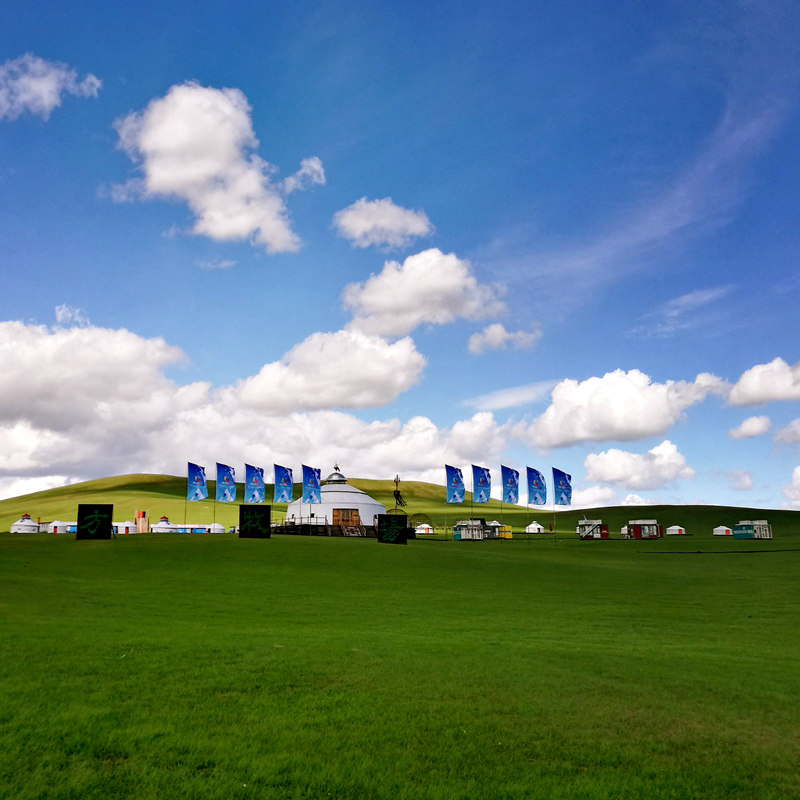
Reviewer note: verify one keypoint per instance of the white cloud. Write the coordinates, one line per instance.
(67, 315)
(620, 406)
(34, 85)
(789, 434)
(651, 470)
(86, 402)
(635, 500)
(752, 426)
(346, 369)
(681, 313)
(594, 497)
(197, 144)
(513, 396)
(765, 383)
(427, 288)
(740, 480)
(496, 337)
(380, 223)
(14, 487)
(792, 491)
(222, 263)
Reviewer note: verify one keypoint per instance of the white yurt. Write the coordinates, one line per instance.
(25, 525)
(57, 526)
(723, 530)
(215, 527)
(534, 527)
(340, 504)
(124, 527)
(163, 526)
(424, 529)
(676, 530)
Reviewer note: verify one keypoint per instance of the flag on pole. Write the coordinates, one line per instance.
(537, 488)
(562, 487)
(284, 488)
(510, 479)
(196, 487)
(253, 484)
(455, 484)
(311, 485)
(481, 484)
(226, 484)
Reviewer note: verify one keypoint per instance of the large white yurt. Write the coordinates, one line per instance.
(534, 527)
(340, 504)
(25, 525)
(163, 526)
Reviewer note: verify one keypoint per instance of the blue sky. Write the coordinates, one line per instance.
(402, 236)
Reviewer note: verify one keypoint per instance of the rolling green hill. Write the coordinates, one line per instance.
(159, 495)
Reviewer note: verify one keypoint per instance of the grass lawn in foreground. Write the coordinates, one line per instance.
(213, 667)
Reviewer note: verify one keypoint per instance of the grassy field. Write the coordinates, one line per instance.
(212, 667)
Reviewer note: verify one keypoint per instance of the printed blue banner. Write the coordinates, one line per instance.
(455, 484)
(510, 485)
(481, 484)
(311, 485)
(537, 488)
(562, 487)
(196, 487)
(253, 484)
(226, 484)
(284, 488)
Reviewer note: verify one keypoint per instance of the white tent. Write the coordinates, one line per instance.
(25, 525)
(424, 529)
(124, 527)
(340, 504)
(723, 530)
(57, 526)
(676, 530)
(534, 527)
(163, 526)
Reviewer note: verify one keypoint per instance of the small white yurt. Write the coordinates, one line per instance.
(124, 527)
(723, 530)
(676, 530)
(57, 526)
(163, 526)
(534, 527)
(424, 529)
(216, 528)
(25, 525)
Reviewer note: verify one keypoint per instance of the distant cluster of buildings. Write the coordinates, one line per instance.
(650, 529)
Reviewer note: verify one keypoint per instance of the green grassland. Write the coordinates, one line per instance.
(176, 666)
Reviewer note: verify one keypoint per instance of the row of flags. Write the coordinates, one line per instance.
(482, 486)
(254, 487)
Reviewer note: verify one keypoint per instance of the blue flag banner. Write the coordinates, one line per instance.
(311, 485)
(455, 484)
(196, 487)
(481, 484)
(253, 484)
(226, 484)
(510, 485)
(537, 488)
(562, 487)
(284, 488)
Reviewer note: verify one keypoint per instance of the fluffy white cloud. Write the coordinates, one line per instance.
(789, 434)
(651, 470)
(764, 383)
(594, 497)
(67, 315)
(14, 487)
(85, 402)
(792, 491)
(197, 144)
(346, 369)
(381, 223)
(34, 85)
(427, 288)
(740, 480)
(752, 426)
(310, 172)
(620, 406)
(496, 337)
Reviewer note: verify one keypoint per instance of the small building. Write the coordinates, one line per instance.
(752, 529)
(424, 529)
(57, 526)
(676, 530)
(592, 529)
(642, 529)
(497, 530)
(469, 530)
(163, 526)
(123, 527)
(534, 527)
(340, 504)
(25, 525)
(723, 530)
